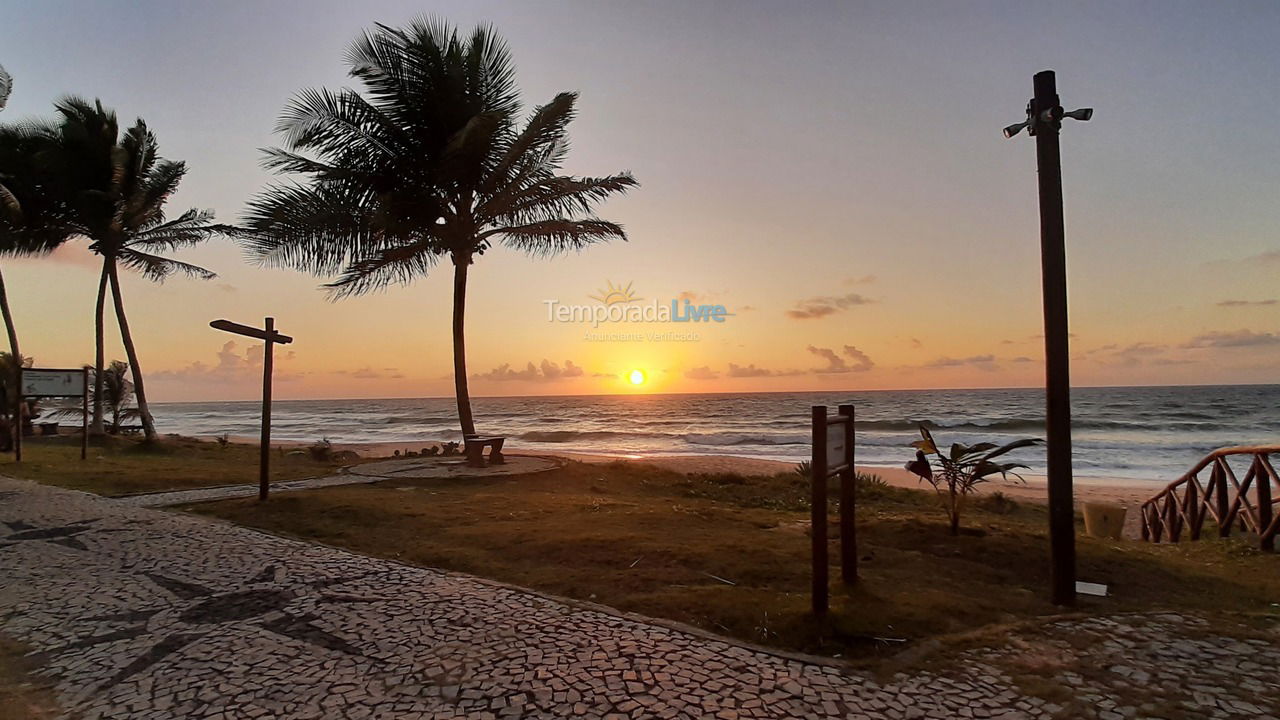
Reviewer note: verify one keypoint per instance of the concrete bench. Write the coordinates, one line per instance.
(473, 448)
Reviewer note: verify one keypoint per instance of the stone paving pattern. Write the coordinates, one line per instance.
(138, 613)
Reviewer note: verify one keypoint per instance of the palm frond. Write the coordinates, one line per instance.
(557, 196)
(392, 266)
(158, 269)
(6, 87)
(552, 237)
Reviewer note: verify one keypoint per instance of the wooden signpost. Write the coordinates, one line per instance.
(60, 383)
(833, 444)
(271, 337)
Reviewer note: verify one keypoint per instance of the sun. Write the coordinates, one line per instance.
(636, 377)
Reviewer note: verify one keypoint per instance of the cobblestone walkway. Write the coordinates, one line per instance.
(138, 613)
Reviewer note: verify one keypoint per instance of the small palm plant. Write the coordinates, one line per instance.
(117, 397)
(962, 469)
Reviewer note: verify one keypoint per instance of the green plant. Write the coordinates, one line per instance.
(962, 469)
(117, 397)
(429, 165)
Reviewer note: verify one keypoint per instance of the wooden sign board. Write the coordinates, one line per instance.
(836, 457)
(39, 382)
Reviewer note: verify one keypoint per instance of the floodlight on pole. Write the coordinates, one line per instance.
(1044, 120)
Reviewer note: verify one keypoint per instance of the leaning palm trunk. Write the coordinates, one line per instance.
(140, 394)
(460, 346)
(17, 363)
(99, 358)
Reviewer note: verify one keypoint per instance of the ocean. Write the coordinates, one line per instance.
(1137, 433)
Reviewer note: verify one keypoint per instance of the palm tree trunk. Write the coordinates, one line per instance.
(460, 264)
(99, 358)
(16, 356)
(139, 393)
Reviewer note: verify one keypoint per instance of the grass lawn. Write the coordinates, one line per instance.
(649, 540)
(118, 466)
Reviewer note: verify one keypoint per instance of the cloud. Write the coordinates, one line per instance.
(1247, 303)
(368, 373)
(231, 366)
(701, 373)
(546, 371)
(915, 342)
(747, 308)
(690, 295)
(1232, 338)
(750, 371)
(1022, 359)
(225, 287)
(860, 280)
(837, 364)
(817, 307)
(1270, 257)
(984, 362)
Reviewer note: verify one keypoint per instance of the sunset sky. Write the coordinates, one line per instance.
(833, 174)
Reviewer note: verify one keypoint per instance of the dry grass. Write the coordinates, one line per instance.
(119, 466)
(649, 540)
(22, 696)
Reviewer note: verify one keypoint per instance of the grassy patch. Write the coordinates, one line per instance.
(662, 543)
(118, 466)
(22, 696)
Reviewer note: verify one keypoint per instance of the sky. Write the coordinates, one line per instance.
(832, 174)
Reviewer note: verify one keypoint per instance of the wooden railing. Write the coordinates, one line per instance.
(1248, 502)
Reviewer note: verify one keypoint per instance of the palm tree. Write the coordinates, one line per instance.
(428, 164)
(121, 186)
(32, 217)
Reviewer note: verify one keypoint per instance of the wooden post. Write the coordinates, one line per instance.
(264, 462)
(1266, 540)
(818, 511)
(848, 505)
(1053, 262)
(270, 338)
(18, 407)
(84, 424)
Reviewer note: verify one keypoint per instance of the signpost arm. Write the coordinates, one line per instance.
(818, 511)
(848, 505)
(84, 420)
(264, 462)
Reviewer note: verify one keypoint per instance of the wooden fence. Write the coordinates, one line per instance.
(1247, 502)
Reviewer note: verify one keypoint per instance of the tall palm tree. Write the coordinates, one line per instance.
(428, 164)
(121, 189)
(33, 220)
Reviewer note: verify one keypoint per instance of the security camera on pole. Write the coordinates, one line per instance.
(1044, 120)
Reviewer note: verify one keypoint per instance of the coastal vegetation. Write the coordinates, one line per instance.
(430, 164)
(962, 469)
(121, 465)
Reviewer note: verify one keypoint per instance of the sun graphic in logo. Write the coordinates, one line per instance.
(615, 294)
